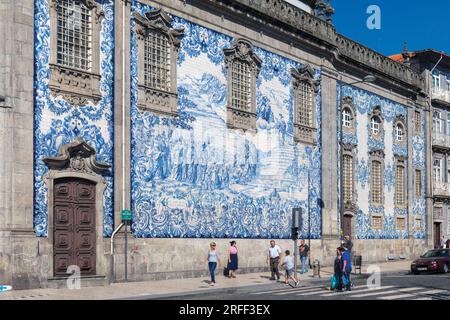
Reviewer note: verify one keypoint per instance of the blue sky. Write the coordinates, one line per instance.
(423, 24)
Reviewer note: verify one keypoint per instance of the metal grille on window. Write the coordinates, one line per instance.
(74, 34)
(376, 182)
(418, 183)
(348, 178)
(377, 222)
(241, 86)
(418, 122)
(305, 101)
(157, 61)
(400, 185)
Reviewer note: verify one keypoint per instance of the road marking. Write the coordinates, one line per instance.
(310, 292)
(287, 290)
(435, 291)
(356, 291)
(304, 289)
(421, 299)
(385, 292)
(398, 296)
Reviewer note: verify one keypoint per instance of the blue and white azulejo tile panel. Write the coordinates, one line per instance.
(57, 122)
(365, 102)
(193, 177)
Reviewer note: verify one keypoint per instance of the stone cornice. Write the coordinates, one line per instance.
(294, 21)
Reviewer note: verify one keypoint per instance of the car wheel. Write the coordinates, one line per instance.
(416, 273)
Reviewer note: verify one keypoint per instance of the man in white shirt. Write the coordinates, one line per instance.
(273, 257)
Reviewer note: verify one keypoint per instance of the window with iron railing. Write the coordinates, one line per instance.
(418, 122)
(418, 183)
(375, 182)
(74, 33)
(241, 82)
(348, 178)
(157, 60)
(305, 104)
(400, 185)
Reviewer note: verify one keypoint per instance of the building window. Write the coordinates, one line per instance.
(74, 59)
(157, 61)
(241, 86)
(74, 34)
(243, 67)
(305, 105)
(348, 178)
(418, 183)
(399, 132)
(401, 223)
(418, 122)
(375, 125)
(436, 82)
(437, 213)
(437, 167)
(305, 89)
(347, 118)
(157, 49)
(448, 124)
(437, 122)
(377, 222)
(375, 182)
(400, 185)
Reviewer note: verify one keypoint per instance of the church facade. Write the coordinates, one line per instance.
(208, 120)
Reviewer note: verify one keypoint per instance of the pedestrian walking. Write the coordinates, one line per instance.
(273, 259)
(336, 280)
(442, 243)
(288, 264)
(346, 268)
(232, 259)
(304, 251)
(348, 243)
(447, 243)
(213, 260)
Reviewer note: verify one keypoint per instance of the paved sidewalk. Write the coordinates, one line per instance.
(175, 286)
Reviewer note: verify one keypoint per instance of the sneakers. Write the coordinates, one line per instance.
(296, 283)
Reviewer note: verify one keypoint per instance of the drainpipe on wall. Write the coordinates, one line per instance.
(112, 273)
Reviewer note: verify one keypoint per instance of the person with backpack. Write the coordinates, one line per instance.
(336, 279)
(346, 268)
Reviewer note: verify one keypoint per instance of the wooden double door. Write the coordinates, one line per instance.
(74, 231)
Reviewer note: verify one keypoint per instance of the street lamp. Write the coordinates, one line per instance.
(367, 79)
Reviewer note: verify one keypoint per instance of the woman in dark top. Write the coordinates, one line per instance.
(338, 268)
(232, 259)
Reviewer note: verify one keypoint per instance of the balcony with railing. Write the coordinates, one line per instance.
(441, 189)
(440, 95)
(441, 140)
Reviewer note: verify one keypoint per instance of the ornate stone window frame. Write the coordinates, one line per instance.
(77, 160)
(78, 87)
(347, 104)
(302, 133)
(377, 155)
(350, 206)
(151, 99)
(376, 112)
(400, 161)
(242, 50)
(399, 121)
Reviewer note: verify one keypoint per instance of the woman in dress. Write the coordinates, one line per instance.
(232, 259)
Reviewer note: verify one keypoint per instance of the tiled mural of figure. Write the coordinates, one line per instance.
(192, 176)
